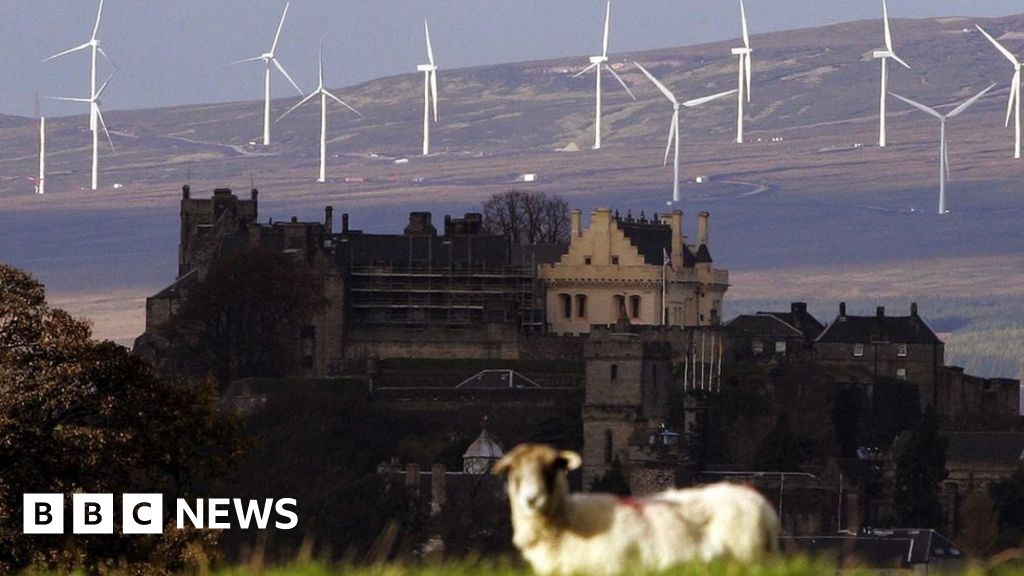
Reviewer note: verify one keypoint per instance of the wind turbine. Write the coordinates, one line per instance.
(744, 73)
(1014, 91)
(429, 91)
(93, 45)
(943, 147)
(324, 95)
(884, 56)
(94, 110)
(269, 58)
(41, 181)
(601, 64)
(673, 131)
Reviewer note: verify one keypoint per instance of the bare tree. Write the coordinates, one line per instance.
(527, 217)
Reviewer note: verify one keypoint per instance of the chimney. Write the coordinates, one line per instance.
(913, 309)
(677, 237)
(438, 488)
(577, 217)
(295, 219)
(186, 192)
(344, 223)
(798, 308)
(329, 219)
(880, 312)
(254, 194)
(702, 228)
(842, 309)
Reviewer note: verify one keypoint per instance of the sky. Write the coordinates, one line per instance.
(177, 52)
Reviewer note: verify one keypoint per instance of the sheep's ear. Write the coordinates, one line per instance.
(569, 460)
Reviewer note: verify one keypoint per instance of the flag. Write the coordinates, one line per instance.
(667, 259)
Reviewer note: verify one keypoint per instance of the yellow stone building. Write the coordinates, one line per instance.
(617, 269)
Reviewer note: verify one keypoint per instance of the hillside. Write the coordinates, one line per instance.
(809, 197)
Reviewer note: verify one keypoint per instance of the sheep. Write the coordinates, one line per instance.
(602, 534)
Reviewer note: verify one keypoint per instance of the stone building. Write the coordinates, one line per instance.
(889, 347)
(635, 268)
(768, 336)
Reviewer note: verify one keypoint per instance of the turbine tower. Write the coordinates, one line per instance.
(268, 59)
(943, 146)
(41, 181)
(1013, 106)
(884, 56)
(94, 110)
(601, 64)
(324, 95)
(429, 91)
(744, 73)
(93, 45)
(673, 131)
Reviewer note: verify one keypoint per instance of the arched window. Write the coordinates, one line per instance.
(634, 307)
(566, 303)
(581, 305)
(619, 310)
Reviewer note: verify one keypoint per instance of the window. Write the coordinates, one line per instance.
(608, 446)
(587, 260)
(757, 347)
(858, 350)
(566, 301)
(615, 260)
(780, 347)
(901, 373)
(581, 306)
(620, 307)
(614, 372)
(901, 350)
(634, 306)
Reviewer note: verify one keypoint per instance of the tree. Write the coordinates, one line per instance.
(1008, 496)
(82, 415)
(920, 468)
(780, 451)
(244, 318)
(527, 217)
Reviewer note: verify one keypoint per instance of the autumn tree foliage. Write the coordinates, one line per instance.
(528, 217)
(78, 415)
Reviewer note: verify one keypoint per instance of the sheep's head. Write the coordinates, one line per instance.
(536, 476)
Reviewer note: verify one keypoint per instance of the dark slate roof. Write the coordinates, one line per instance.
(998, 448)
(649, 239)
(902, 329)
(761, 324)
(704, 255)
(799, 318)
(180, 287)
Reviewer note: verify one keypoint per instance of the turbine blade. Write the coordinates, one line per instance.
(970, 102)
(104, 86)
(607, 27)
(257, 58)
(584, 71)
(747, 66)
(293, 108)
(273, 48)
(619, 78)
(945, 158)
(668, 94)
(671, 135)
(1009, 55)
(99, 115)
(1014, 94)
(96, 28)
(433, 92)
(918, 105)
(342, 102)
(746, 32)
(706, 99)
(285, 72)
(888, 32)
(68, 51)
(430, 48)
(321, 66)
(66, 99)
(900, 60)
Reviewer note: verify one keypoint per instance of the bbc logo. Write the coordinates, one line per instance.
(93, 514)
